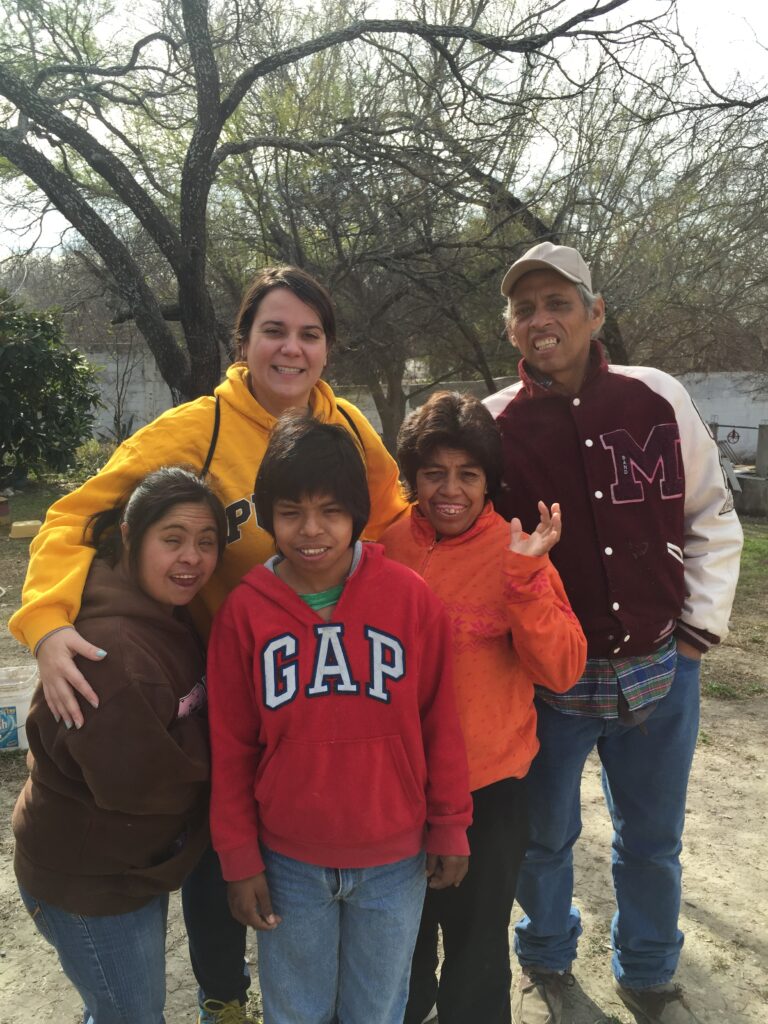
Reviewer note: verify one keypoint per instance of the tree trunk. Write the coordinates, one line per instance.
(613, 341)
(390, 404)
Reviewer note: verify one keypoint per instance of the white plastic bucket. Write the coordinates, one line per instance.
(17, 683)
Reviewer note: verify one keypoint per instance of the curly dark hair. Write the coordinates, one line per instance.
(450, 420)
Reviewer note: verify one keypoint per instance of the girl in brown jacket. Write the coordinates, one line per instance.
(114, 815)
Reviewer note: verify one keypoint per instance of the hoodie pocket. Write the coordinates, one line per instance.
(345, 791)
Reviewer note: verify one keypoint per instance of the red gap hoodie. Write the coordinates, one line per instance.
(335, 743)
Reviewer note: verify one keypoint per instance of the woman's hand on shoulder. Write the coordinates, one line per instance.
(543, 538)
(61, 678)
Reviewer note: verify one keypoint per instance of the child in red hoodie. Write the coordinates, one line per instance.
(338, 758)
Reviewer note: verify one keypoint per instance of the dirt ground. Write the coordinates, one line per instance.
(725, 908)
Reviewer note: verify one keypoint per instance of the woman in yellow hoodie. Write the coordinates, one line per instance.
(284, 330)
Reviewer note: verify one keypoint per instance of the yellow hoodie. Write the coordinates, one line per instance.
(60, 559)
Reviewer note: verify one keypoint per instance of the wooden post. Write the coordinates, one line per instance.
(761, 459)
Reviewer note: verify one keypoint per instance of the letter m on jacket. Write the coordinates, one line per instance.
(636, 466)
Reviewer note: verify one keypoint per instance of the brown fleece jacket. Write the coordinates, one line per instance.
(115, 813)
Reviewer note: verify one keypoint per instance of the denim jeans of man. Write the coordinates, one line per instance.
(645, 777)
(216, 940)
(116, 962)
(342, 951)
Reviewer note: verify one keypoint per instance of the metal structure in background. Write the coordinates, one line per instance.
(728, 457)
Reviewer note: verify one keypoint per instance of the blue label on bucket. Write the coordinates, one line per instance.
(9, 728)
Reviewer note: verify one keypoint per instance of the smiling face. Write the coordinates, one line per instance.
(178, 554)
(315, 536)
(551, 327)
(286, 351)
(450, 489)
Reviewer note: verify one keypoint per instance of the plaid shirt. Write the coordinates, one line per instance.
(642, 681)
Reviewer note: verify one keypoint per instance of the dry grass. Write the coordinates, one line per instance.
(739, 668)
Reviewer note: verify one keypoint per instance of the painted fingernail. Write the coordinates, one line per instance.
(78, 725)
(67, 723)
(56, 718)
(101, 654)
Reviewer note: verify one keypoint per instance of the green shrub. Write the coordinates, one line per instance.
(48, 394)
(90, 457)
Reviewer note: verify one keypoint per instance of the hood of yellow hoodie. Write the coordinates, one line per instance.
(234, 390)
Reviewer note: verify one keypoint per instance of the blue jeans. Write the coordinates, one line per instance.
(342, 951)
(116, 963)
(645, 779)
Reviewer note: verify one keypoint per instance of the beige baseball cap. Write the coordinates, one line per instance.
(546, 256)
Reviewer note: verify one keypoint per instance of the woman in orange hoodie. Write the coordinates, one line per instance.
(513, 628)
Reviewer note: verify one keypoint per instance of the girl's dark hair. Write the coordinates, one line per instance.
(450, 420)
(297, 281)
(306, 457)
(152, 499)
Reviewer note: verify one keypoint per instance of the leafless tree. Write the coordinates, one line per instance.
(125, 124)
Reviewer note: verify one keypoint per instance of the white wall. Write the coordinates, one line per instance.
(729, 399)
(732, 401)
(360, 396)
(147, 393)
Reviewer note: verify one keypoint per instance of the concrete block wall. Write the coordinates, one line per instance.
(733, 401)
(729, 399)
(147, 394)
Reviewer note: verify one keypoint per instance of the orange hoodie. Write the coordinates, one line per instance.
(512, 628)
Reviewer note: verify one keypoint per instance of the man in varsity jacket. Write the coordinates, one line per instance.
(649, 557)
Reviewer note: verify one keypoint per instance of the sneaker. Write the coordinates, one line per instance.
(538, 996)
(213, 1011)
(662, 1004)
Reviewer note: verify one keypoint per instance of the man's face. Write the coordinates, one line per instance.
(551, 327)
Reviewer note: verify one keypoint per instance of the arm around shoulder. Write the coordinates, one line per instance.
(59, 556)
